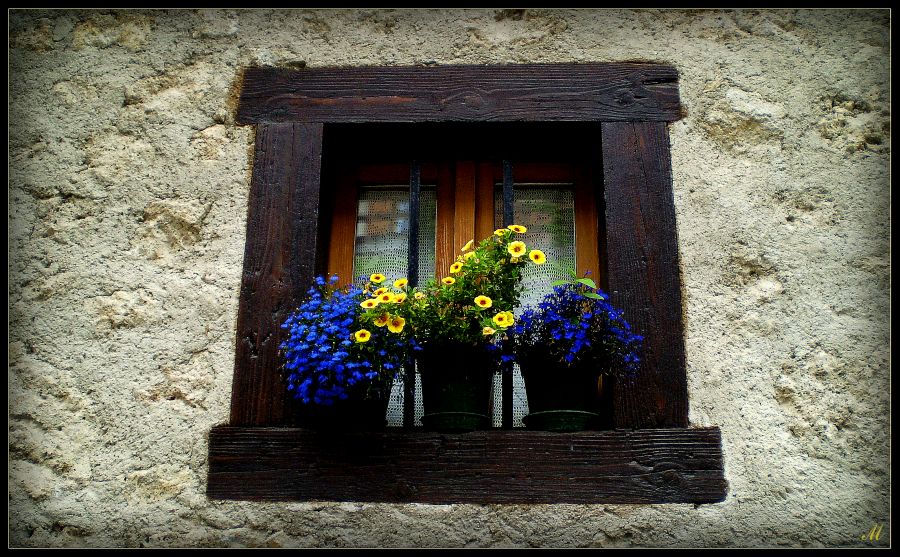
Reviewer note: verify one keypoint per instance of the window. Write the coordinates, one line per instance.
(564, 130)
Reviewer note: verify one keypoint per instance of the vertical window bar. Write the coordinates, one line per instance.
(508, 215)
(507, 370)
(412, 274)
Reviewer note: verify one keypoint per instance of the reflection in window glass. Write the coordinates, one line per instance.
(382, 232)
(548, 211)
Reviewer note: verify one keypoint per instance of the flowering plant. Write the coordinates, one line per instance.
(330, 354)
(575, 325)
(472, 305)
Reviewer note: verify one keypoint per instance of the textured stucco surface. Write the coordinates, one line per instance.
(127, 206)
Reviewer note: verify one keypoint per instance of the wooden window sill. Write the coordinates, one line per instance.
(675, 465)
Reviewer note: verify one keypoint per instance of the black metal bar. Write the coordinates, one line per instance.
(412, 274)
(506, 401)
(415, 186)
(508, 215)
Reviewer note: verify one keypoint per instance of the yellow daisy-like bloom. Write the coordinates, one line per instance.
(386, 298)
(537, 256)
(503, 319)
(456, 267)
(400, 298)
(483, 302)
(380, 291)
(516, 248)
(396, 325)
(419, 295)
(488, 331)
(377, 278)
(362, 335)
(468, 255)
(369, 304)
(382, 320)
(517, 228)
(400, 283)
(448, 280)
(468, 245)
(500, 232)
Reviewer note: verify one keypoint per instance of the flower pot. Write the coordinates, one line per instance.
(359, 412)
(565, 399)
(456, 388)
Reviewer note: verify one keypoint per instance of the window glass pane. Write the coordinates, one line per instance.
(548, 211)
(382, 232)
(382, 246)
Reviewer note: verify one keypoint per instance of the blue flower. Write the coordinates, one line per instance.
(323, 363)
(574, 329)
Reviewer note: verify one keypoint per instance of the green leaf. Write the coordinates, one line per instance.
(593, 295)
(588, 282)
(559, 282)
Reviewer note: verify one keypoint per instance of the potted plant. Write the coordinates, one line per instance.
(569, 347)
(455, 323)
(339, 366)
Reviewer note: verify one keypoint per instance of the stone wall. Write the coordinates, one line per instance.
(127, 206)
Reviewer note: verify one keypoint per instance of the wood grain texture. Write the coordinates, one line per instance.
(464, 208)
(587, 223)
(445, 250)
(282, 255)
(484, 202)
(646, 466)
(342, 238)
(643, 271)
(517, 92)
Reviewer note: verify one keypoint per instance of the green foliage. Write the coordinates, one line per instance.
(473, 303)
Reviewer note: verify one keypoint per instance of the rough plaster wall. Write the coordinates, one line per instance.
(127, 205)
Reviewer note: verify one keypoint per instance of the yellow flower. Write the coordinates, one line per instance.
(514, 259)
(382, 320)
(456, 267)
(369, 304)
(380, 291)
(386, 298)
(468, 245)
(400, 298)
(468, 255)
(448, 280)
(419, 295)
(504, 319)
(487, 331)
(516, 248)
(377, 278)
(537, 256)
(396, 324)
(362, 335)
(400, 283)
(483, 302)
(517, 228)
(500, 232)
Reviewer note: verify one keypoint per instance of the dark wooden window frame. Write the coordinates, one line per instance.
(652, 456)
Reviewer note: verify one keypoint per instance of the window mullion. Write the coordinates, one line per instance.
(409, 381)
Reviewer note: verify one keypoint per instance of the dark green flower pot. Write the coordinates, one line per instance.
(566, 399)
(456, 388)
